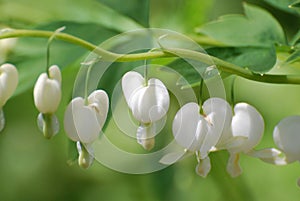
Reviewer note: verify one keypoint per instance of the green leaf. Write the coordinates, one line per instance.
(179, 15)
(296, 39)
(24, 13)
(135, 9)
(283, 5)
(293, 57)
(295, 4)
(257, 59)
(257, 28)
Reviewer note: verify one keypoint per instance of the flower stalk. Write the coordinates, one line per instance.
(166, 52)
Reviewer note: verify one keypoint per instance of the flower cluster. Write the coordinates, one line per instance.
(218, 129)
(198, 129)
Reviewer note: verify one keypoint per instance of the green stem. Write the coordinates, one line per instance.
(48, 48)
(174, 52)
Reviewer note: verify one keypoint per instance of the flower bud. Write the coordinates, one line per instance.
(47, 91)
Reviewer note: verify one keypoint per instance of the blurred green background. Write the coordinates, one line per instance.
(33, 168)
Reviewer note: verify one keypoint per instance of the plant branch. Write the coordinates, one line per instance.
(172, 52)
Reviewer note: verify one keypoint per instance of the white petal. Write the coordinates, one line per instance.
(247, 122)
(131, 82)
(54, 73)
(86, 124)
(203, 167)
(213, 134)
(69, 124)
(98, 100)
(271, 155)
(47, 94)
(221, 112)
(233, 165)
(8, 82)
(151, 103)
(189, 127)
(287, 137)
(173, 157)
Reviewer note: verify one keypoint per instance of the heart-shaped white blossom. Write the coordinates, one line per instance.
(247, 127)
(200, 133)
(286, 136)
(84, 122)
(148, 103)
(47, 91)
(8, 82)
(189, 127)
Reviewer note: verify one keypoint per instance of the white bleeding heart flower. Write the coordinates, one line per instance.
(8, 82)
(148, 101)
(47, 91)
(287, 137)
(198, 133)
(83, 121)
(247, 128)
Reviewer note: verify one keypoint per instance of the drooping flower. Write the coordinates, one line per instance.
(47, 91)
(47, 96)
(287, 137)
(83, 123)
(199, 133)
(148, 102)
(247, 128)
(8, 84)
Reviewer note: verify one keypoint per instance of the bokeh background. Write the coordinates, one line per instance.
(33, 168)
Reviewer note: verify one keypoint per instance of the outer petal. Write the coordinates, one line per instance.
(47, 94)
(189, 127)
(80, 122)
(131, 82)
(98, 100)
(54, 73)
(212, 137)
(151, 103)
(247, 122)
(8, 82)
(86, 124)
(69, 124)
(220, 114)
(287, 137)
